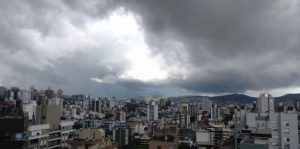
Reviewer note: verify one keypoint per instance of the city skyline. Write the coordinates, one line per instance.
(136, 48)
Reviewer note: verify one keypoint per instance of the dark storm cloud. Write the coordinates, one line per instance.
(232, 46)
(209, 46)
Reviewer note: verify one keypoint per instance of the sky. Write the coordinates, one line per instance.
(128, 48)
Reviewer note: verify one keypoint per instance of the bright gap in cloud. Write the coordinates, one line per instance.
(129, 37)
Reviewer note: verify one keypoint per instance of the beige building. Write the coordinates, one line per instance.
(92, 139)
(165, 138)
(91, 134)
(49, 113)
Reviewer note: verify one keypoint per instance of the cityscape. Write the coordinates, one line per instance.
(149, 74)
(49, 119)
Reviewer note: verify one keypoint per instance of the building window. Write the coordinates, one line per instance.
(286, 131)
(286, 123)
(275, 130)
(286, 146)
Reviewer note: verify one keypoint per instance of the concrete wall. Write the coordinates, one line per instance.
(91, 134)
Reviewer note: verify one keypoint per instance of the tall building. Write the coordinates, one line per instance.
(48, 114)
(122, 116)
(265, 103)
(185, 120)
(29, 110)
(2, 93)
(265, 128)
(50, 93)
(275, 130)
(215, 112)
(152, 112)
(121, 134)
(184, 108)
(206, 104)
(95, 105)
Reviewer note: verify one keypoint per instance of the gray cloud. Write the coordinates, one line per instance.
(232, 46)
(209, 46)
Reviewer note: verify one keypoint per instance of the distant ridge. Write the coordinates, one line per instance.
(288, 98)
(236, 98)
(229, 98)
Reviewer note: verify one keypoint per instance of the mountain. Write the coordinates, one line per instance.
(288, 98)
(230, 98)
(234, 98)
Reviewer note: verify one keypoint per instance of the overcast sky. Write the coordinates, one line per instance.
(130, 48)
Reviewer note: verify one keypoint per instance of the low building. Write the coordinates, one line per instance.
(92, 139)
(66, 132)
(205, 139)
(38, 136)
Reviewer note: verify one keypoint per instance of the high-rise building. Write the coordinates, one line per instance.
(265, 128)
(95, 105)
(185, 120)
(152, 112)
(215, 112)
(50, 93)
(265, 103)
(121, 134)
(278, 129)
(206, 104)
(122, 116)
(29, 110)
(2, 93)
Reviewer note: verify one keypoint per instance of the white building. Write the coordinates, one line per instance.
(24, 96)
(66, 131)
(30, 109)
(152, 112)
(122, 116)
(215, 112)
(282, 126)
(265, 103)
(112, 103)
(204, 139)
(38, 136)
(139, 128)
(267, 128)
(185, 120)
